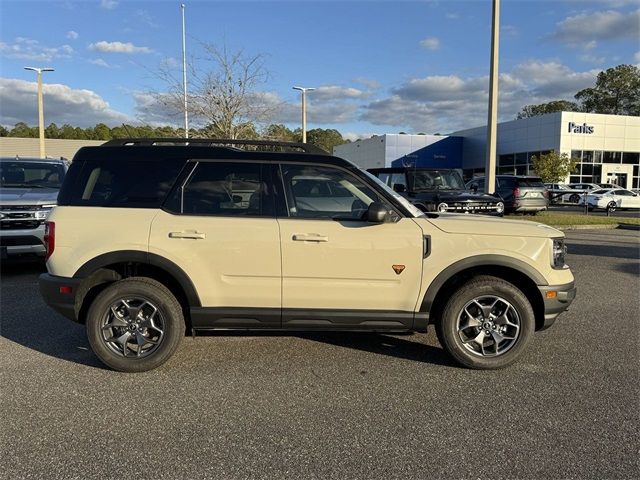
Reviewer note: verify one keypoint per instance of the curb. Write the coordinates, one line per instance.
(614, 226)
(589, 227)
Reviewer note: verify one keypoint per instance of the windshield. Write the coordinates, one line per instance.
(436, 180)
(15, 173)
(405, 203)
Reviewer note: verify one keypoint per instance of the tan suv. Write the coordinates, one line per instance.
(152, 237)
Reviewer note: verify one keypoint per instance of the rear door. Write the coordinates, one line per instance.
(219, 226)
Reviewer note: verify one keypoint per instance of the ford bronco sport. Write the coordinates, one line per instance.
(152, 238)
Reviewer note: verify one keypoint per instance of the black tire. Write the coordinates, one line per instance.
(574, 198)
(481, 286)
(169, 336)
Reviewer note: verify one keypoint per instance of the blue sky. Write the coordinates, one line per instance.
(378, 66)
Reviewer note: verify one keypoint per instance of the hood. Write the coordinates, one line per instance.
(455, 196)
(475, 225)
(28, 196)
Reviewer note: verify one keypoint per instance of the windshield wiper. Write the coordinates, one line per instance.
(23, 185)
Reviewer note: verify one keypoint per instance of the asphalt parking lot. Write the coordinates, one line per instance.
(332, 405)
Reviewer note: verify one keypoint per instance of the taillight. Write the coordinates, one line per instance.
(49, 238)
(516, 192)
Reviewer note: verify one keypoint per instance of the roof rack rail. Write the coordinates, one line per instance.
(258, 145)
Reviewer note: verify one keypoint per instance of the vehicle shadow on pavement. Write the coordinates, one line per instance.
(382, 344)
(32, 324)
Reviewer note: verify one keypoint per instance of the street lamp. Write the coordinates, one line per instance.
(492, 121)
(40, 105)
(184, 74)
(304, 91)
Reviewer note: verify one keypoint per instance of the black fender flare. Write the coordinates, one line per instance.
(138, 256)
(489, 260)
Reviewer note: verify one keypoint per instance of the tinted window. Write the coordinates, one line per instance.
(119, 183)
(325, 192)
(30, 174)
(530, 182)
(623, 193)
(436, 180)
(226, 189)
(506, 182)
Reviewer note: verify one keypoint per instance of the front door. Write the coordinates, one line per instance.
(617, 174)
(339, 270)
(221, 230)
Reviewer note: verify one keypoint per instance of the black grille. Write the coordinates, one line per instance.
(23, 225)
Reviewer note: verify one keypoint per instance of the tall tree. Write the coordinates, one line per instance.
(325, 138)
(21, 129)
(224, 91)
(549, 107)
(282, 133)
(617, 91)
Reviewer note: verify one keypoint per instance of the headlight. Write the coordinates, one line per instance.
(559, 252)
(44, 212)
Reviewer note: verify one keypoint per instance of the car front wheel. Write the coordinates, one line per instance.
(135, 325)
(486, 323)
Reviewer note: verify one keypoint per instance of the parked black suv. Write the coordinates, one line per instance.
(437, 189)
(520, 193)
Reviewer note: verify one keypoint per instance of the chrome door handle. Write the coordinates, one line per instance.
(192, 235)
(310, 237)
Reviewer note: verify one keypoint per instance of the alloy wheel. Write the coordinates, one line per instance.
(132, 327)
(488, 326)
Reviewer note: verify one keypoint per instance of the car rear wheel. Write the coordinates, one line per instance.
(135, 325)
(486, 324)
(574, 198)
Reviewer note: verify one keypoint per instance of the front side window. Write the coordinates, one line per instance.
(436, 180)
(325, 192)
(226, 189)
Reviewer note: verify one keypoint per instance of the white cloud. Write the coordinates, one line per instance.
(327, 93)
(447, 103)
(591, 58)
(367, 82)
(100, 62)
(584, 28)
(452, 16)
(71, 35)
(108, 4)
(63, 104)
(30, 49)
(118, 47)
(431, 43)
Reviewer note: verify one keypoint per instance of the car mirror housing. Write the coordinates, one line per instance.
(377, 213)
(399, 188)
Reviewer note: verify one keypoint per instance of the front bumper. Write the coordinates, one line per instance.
(22, 241)
(555, 305)
(51, 291)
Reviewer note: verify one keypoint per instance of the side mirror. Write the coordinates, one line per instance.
(377, 213)
(399, 188)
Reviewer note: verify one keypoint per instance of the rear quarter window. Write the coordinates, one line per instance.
(119, 183)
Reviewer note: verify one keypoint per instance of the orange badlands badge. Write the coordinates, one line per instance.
(398, 269)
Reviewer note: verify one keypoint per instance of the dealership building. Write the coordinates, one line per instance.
(607, 147)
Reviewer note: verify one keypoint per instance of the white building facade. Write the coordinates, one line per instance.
(607, 147)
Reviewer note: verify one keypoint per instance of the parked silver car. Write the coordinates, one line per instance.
(28, 192)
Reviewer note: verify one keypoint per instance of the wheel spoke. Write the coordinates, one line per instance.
(478, 339)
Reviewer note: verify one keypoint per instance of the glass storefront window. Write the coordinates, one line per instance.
(577, 154)
(597, 157)
(505, 159)
(636, 170)
(587, 156)
(587, 169)
(530, 156)
(521, 170)
(611, 157)
(506, 170)
(574, 179)
(631, 157)
(636, 182)
(521, 158)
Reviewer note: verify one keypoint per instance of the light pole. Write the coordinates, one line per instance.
(184, 75)
(304, 91)
(492, 121)
(40, 105)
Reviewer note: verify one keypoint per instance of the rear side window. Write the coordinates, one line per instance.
(119, 183)
(225, 189)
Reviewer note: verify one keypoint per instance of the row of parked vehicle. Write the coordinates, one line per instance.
(605, 196)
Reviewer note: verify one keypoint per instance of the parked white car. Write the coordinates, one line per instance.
(612, 198)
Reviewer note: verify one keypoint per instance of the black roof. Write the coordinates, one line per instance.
(167, 149)
(406, 169)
